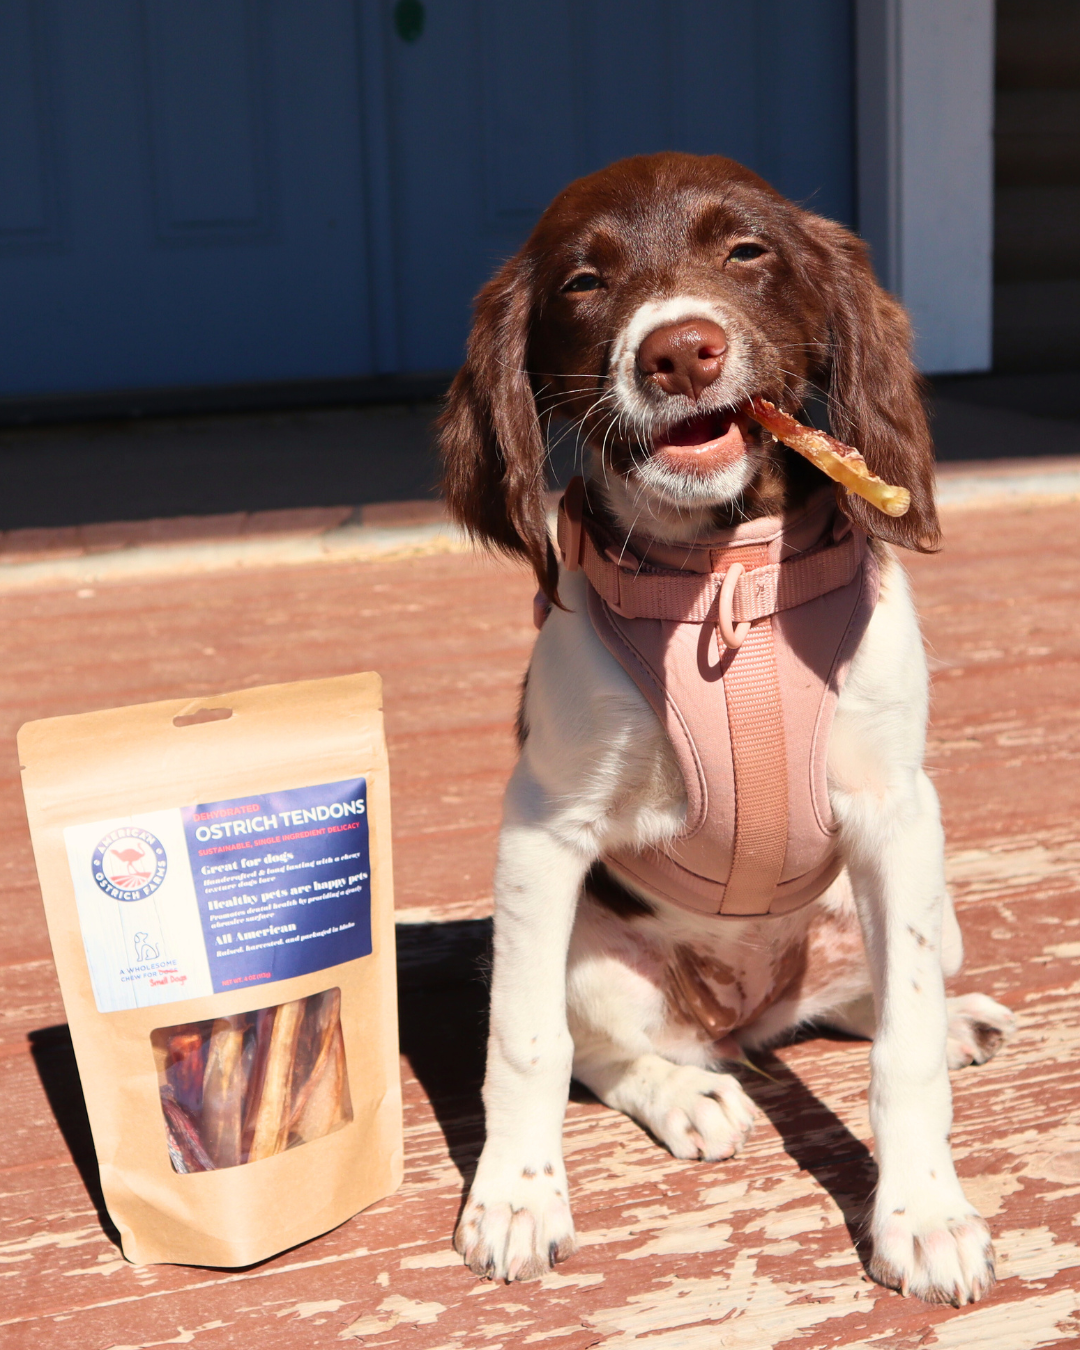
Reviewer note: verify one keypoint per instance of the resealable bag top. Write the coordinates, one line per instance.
(217, 881)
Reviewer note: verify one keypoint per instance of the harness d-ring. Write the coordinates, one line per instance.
(732, 633)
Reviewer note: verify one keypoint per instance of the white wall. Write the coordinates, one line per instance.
(925, 107)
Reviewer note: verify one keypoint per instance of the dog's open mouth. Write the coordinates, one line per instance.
(705, 443)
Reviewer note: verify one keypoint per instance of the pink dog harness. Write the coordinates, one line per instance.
(748, 715)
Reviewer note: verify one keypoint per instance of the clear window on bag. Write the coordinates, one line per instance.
(238, 1089)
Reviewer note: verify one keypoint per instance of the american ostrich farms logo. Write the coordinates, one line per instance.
(129, 864)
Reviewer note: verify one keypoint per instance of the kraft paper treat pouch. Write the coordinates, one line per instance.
(216, 875)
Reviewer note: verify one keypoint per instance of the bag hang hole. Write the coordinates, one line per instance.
(203, 715)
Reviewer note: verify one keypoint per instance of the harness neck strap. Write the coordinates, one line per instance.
(642, 590)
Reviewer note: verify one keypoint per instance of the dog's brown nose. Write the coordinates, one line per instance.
(683, 358)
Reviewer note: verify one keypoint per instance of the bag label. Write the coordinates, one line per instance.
(197, 900)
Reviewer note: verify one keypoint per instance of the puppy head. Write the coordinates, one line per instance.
(651, 301)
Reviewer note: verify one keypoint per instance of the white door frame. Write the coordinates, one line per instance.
(925, 110)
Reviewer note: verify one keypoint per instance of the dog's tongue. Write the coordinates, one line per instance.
(697, 430)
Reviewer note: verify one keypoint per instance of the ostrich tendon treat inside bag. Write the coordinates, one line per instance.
(216, 877)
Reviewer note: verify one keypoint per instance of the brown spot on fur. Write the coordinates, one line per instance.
(989, 1039)
(549, 1171)
(788, 974)
(521, 726)
(609, 891)
(835, 948)
(527, 1172)
(690, 996)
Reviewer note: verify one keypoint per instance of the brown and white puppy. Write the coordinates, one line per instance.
(651, 301)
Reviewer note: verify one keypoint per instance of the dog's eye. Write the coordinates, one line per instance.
(584, 281)
(745, 252)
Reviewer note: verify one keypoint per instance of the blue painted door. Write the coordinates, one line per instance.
(201, 192)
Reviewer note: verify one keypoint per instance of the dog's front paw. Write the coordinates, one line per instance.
(516, 1222)
(978, 1028)
(939, 1252)
(698, 1114)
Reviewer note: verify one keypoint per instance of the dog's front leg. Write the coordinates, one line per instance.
(516, 1222)
(928, 1240)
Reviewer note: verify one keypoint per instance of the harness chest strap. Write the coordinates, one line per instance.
(752, 690)
(759, 761)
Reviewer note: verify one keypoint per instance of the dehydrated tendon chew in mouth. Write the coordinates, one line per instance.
(237, 1089)
(842, 463)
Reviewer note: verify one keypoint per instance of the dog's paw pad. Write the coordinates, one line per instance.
(978, 1028)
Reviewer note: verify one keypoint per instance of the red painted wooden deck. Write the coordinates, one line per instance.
(758, 1253)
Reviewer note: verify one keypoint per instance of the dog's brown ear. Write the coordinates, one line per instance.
(492, 444)
(875, 392)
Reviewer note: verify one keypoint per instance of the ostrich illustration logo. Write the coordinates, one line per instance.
(129, 863)
(131, 856)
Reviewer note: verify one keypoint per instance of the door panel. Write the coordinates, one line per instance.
(211, 219)
(205, 80)
(27, 141)
(528, 126)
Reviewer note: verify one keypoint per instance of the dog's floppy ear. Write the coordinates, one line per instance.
(492, 444)
(875, 392)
